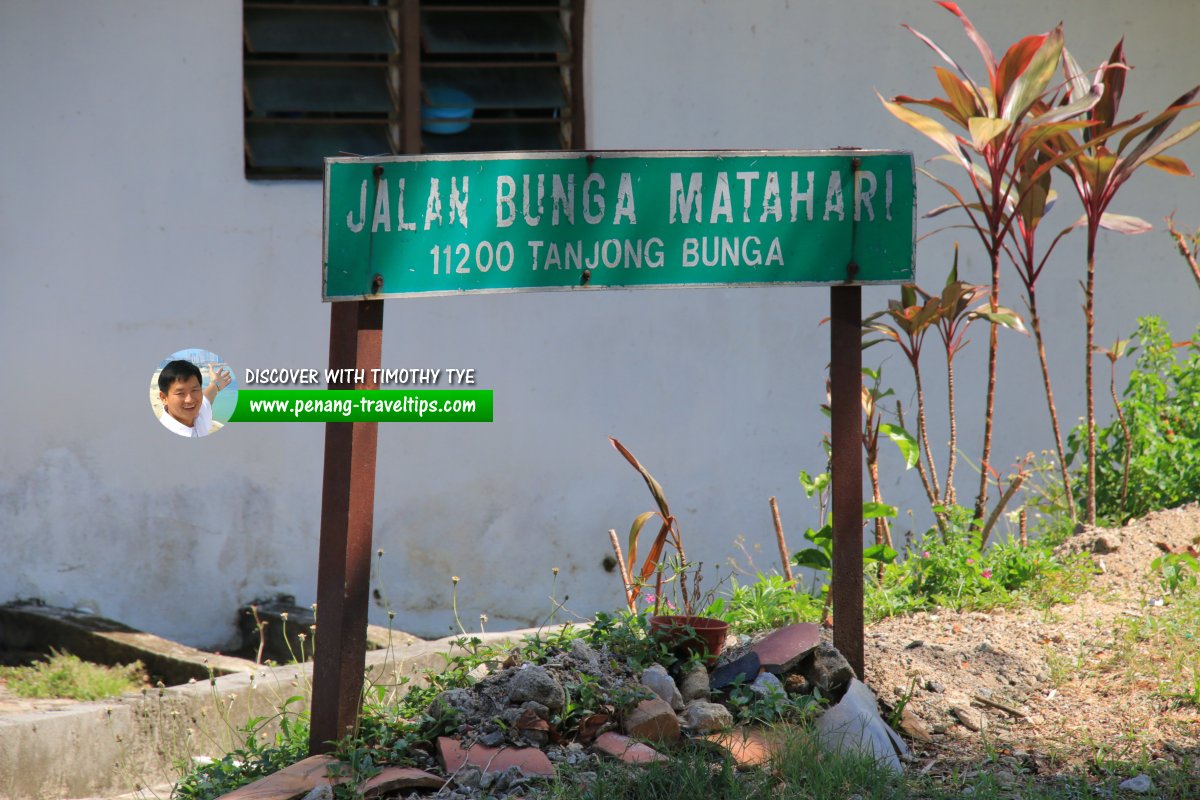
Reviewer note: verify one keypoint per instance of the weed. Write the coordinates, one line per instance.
(771, 601)
(1161, 409)
(257, 756)
(66, 675)
(1176, 572)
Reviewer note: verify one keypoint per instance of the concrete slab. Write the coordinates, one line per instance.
(36, 627)
(109, 749)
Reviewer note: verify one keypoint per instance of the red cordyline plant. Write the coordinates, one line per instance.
(1033, 199)
(955, 315)
(1098, 168)
(1004, 122)
(908, 322)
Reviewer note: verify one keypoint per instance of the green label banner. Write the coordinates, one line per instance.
(376, 405)
(434, 225)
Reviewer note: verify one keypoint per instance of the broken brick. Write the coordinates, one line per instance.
(626, 749)
(453, 757)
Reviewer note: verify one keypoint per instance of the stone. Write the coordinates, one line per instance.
(781, 650)
(749, 747)
(968, 719)
(398, 779)
(797, 684)
(913, 727)
(694, 685)
(535, 683)
(453, 756)
(1140, 784)
(468, 777)
(702, 717)
(936, 687)
(828, 669)
(745, 669)
(537, 708)
(854, 725)
(627, 750)
(653, 720)
(454, 701)
(1105, 543)
(658, 681)
(586, 656)
(492, 738)
(768, 685)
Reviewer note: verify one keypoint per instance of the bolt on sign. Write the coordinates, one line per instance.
(402, 226)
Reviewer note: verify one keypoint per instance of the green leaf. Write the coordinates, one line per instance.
(812, 558)
(811, 485)
(985, 129)
(1035, 78)
(1005, 317)
(1073, 109)
(903, 440)
(975, 88)
(635, 531)
(1153, 152)
(1078, 84)
(821, 537)
(873, 510)
(989, 60)
(879, 553)
(1118, 223)
(933, 129)
(1170, 165)
(952, 276)
(1112, 77)
(655, 489)
(959, 94)
(1016, 61)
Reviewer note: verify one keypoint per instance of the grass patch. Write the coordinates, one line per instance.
(68, 676)
(1162, 647)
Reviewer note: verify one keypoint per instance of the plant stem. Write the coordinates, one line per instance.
(883, 534)
(924, 434)
(1013, 486)
(1188, 254)
(1036, 322)
(1089, 515)
(933, 501)
(1112, 387)
(950, 498)
(993, 349)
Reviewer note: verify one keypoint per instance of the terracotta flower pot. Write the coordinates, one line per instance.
(687, 636)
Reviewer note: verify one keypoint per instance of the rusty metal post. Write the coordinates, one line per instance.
(347, 511)
(845, 372)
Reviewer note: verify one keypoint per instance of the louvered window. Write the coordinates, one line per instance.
(371, 77)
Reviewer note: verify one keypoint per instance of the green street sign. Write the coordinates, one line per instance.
(402, 226)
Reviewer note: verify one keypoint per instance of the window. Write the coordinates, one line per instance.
(372, 77)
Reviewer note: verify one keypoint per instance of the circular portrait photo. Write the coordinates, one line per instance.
(193, 392)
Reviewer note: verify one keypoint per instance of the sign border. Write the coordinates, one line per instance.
(532, 155)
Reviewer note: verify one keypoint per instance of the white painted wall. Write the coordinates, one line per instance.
(127, 231)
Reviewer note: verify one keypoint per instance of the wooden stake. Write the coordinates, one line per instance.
(783, 549)
(616, 544)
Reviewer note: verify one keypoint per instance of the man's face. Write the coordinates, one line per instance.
(182, 400)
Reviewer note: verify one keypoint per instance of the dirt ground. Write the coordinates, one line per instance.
(1073, 703)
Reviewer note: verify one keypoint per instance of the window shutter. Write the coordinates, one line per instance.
(325, 78)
